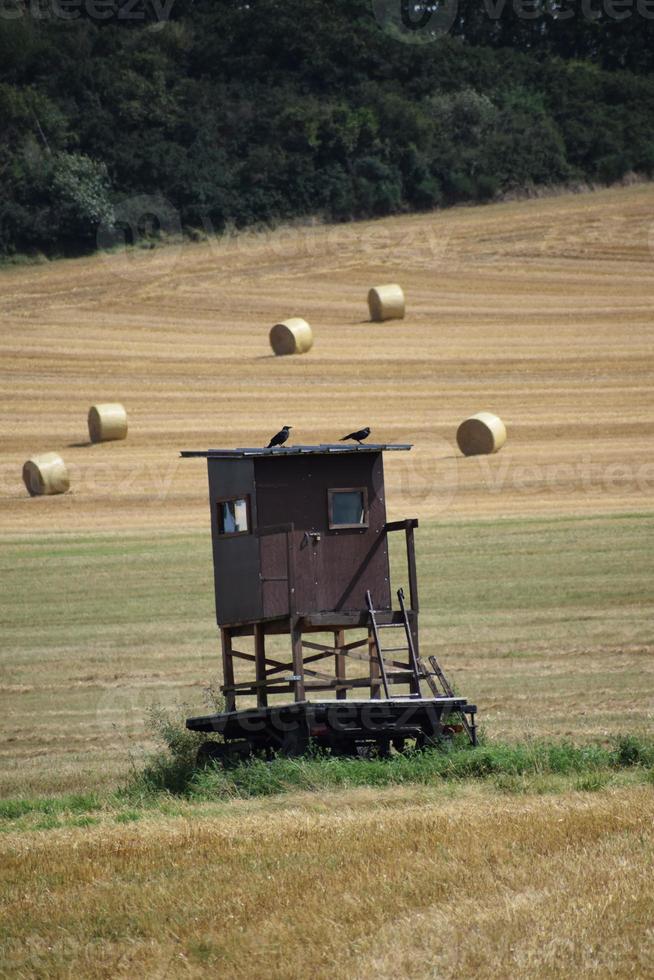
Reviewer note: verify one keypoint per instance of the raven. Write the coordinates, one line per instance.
(281, 437)
(357, 436)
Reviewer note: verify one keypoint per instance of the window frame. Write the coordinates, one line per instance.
(228, 500)
(330, 509)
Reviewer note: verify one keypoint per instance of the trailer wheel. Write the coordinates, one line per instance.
(208, 753)
(294, 743)
(344, 748)
(379, 749)
(225, 754)
(425, 741)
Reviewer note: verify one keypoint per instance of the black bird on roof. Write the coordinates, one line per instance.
(357, 436)
(281, 437)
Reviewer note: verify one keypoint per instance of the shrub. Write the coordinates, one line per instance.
(172, 767)
(632, 750)
(79, 189)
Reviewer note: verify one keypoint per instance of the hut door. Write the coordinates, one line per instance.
(348, 563)
(274, 571)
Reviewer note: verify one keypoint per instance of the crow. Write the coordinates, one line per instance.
(357, 436)
(281, 437)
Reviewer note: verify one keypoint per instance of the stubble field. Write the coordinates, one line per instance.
(536, 568)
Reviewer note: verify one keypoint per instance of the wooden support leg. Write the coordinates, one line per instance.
(411, 565)
(414, 685)
(339, 663)
(298, 661)
(260, 663)
(375, 672)
(228, 669)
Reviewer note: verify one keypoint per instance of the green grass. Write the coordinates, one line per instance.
(316, 774)
(531, 767)
(51, 806)
(546, 624)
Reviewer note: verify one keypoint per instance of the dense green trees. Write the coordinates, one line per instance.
(235, 113)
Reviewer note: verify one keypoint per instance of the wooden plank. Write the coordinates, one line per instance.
(298, 663)
(314, 623)
(228, 670)
(375, 672)
(353, 646)
(251, 688)
(243, 656)
(241, 685)
(413, 574)
(334, 620)
(260, 658)
(401, 525)
(433, 687)
(388, 664)
(278, 665)
(351, 682)
(319, 646)
(340, 663)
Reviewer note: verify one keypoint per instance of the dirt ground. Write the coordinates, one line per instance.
(540, 311)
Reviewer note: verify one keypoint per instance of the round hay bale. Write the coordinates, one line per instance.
(386, 302)
(292, 336)
(481, 434)
(107, 422)
(45, 473)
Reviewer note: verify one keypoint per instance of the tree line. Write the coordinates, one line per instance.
(225, 113)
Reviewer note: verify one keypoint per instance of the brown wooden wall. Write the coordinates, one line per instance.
(235, 559)
(333, 573)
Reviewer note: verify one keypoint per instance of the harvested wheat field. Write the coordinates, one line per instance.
(540, 311)
(535, 565)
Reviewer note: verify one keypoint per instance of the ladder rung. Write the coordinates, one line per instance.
(391, 626)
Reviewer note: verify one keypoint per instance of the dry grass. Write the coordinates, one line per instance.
(536, 573)
(540, 311)
(385, 884)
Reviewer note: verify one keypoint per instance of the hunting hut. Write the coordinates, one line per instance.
(300, 546)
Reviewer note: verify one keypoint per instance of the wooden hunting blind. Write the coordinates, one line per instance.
(300, 546)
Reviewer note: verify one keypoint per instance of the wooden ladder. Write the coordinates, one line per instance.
(448, 690)
(412, 667)
(417, 666)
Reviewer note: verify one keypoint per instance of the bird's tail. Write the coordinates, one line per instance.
(270, 445)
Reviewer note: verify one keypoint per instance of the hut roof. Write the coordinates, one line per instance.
(327, 449)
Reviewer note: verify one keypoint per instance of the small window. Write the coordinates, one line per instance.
(234, 516)
(348, 507)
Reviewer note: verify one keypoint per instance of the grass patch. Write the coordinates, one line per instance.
(507, 765)
(535, 766)
(128, 816)
(51, 806)
(513, 767)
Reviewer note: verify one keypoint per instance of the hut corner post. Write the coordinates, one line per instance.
(260, 664)
(228, 669)
(414, 685)
(339, 663)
